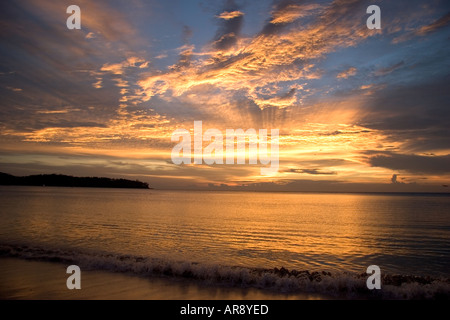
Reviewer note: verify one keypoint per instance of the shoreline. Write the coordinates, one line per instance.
(24, 272)
(22, 279)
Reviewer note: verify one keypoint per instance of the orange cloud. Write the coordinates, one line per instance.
(14, 89)
(292, 12)
(119, 68)
(347, 73)
(228, 15)
(260, 61)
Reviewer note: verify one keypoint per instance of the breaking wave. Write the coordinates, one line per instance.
(340, 285)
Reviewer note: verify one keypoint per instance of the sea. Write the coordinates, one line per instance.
(318, 243)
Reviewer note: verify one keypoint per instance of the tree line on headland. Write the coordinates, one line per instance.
(59, 180)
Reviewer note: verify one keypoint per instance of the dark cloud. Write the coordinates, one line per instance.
(185, 56)
(385, 71)
(279, 8)
(311, 171)
(394, 178)
(187, 34)
(416, 164)
(52, 65)
(339, 132)
(69, 124)
(224, 63)
(333, 186)
(323, 163)
(184, 60)
(406, 112)
(288, 94)
(229, 29)
(279, 99)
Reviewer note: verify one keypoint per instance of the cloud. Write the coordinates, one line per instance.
(388, 70)
(90, 35)
(230, 28)
(119, 68)
(413, 116)
(121, 84)
(340, 132)
(61, 111)
(424, 30)
(186, 34)
(311, 171)
(347, 73)
(279, 73)
(98, 84)
(14, 89)
(280, 101)
(121, 72)
(289, 12)
(185, 58)
(98, 18)
(394, 178)
(61, 67)
(332, 186)
(101, 18)
(416, 164)
(239, 68)
(436, 25)
(228, 15)
(116, 68)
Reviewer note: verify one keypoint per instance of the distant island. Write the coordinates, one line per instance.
(59, 180)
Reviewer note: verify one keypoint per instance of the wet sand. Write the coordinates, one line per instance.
(36, 280)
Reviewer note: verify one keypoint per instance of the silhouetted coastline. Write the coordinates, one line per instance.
(59, 180)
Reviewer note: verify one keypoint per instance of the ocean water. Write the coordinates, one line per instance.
(287, 242)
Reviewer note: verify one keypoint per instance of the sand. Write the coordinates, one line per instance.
(36, 280)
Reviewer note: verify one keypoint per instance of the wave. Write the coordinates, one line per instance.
(339, 285)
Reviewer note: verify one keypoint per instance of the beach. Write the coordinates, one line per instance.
(36, 280)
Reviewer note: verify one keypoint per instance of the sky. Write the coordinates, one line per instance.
(358, 109)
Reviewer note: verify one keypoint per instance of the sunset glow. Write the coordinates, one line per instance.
(355, 107)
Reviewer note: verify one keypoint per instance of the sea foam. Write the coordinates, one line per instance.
(339, 285)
